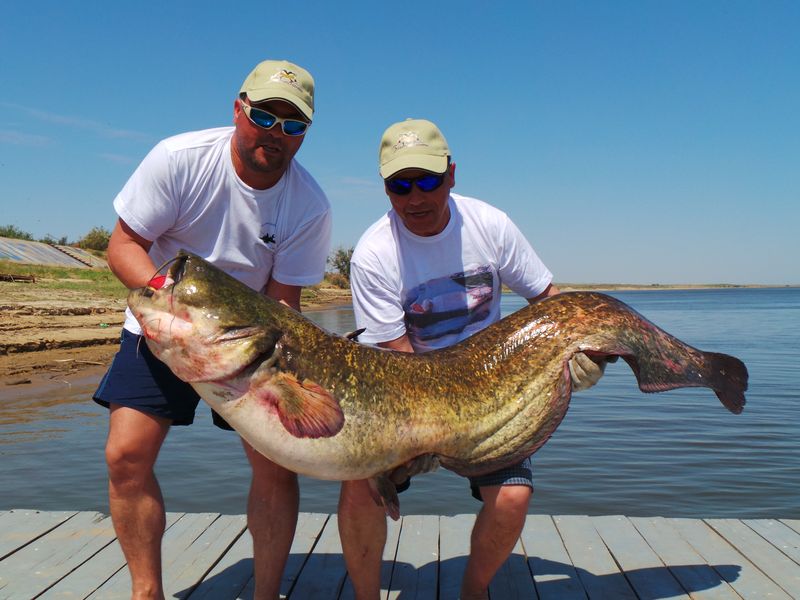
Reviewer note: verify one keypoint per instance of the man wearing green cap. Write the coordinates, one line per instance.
(427, 275)
(237, 197)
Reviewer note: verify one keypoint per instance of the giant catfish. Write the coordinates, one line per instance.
(327, 407)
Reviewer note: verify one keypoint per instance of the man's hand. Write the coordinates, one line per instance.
(585, 372)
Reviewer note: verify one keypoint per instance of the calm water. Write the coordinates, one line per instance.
(618, 451)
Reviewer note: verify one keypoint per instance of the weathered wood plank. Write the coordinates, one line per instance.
(774, 563)
(323, 574)
(41, 564)
(742, 575)
(415, 572)
(85, 580)
(688, 567)
(191, 566)
(554, 576)
(387, 561)
(209, 556)
(553, 573)
(780, 535)
(596, 568)
(793, 523)
(19, 527)
(178, 536)
(513, 581)
(642, 567)
(454, 536)
(232, 577)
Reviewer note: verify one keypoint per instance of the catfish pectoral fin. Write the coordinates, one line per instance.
(384, 492)
(305, 409)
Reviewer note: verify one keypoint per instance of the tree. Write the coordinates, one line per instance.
(96, 239)
(49, 239)
(12, 231)
(340, 260)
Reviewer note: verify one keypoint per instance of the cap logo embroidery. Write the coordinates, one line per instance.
(408, 139)
(287, 77)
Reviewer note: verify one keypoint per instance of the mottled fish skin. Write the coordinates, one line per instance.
(329, 408)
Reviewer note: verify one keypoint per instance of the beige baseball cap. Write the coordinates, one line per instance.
(281, 80)
(412, 144)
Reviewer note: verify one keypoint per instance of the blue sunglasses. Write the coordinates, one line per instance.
(265, 120)
(425, 183)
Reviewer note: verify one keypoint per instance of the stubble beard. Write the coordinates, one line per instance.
(257, 160)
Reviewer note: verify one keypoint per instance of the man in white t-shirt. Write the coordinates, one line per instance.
(237, 197)
(427, 275)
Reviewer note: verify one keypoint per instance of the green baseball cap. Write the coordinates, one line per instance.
(281, 80)
(412, 144)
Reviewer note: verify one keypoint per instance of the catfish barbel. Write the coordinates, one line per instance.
(324, 406)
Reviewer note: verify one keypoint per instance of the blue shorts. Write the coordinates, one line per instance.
(137, 379)
(519, 474)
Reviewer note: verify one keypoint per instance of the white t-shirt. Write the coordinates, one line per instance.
(443, 288)
(186, 195)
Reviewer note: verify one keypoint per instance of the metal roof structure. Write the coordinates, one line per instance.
(39, 253)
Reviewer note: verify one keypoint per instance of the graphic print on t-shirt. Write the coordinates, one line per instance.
(448, 304)
(268, 234)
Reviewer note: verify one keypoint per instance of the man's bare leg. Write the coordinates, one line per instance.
(137, 507)
(496, 531)
(362, 529)
(271, 518)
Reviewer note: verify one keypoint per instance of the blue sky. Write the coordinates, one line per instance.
(632, 142)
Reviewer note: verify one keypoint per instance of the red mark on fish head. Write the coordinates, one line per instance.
(157, 282)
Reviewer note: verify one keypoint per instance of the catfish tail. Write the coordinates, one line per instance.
(728, 377)
(725, 374)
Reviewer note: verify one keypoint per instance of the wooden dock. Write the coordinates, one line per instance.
(208, 555)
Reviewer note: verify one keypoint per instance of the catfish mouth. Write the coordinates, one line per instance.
(260, 361)
(165, 281)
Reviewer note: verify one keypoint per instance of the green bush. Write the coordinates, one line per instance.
(340, 260)
(12, 231)
(49, 239)
(96, 239)
(337, 280)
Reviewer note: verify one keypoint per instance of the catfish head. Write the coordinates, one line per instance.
(204, 324)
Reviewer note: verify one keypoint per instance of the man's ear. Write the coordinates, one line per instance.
(452, 174)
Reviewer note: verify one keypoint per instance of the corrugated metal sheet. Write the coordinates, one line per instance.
(38, 253)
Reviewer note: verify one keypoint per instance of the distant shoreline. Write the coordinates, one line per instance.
(342, 297)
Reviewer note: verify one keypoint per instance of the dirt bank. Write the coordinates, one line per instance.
(56, 335)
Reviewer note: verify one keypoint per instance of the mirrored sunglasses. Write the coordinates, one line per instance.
(265, 120)
(426, 183)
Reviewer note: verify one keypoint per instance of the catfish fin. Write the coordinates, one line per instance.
(305, 409)
(353, 335)
(726, 375)
(424, 463)
(384, 493)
